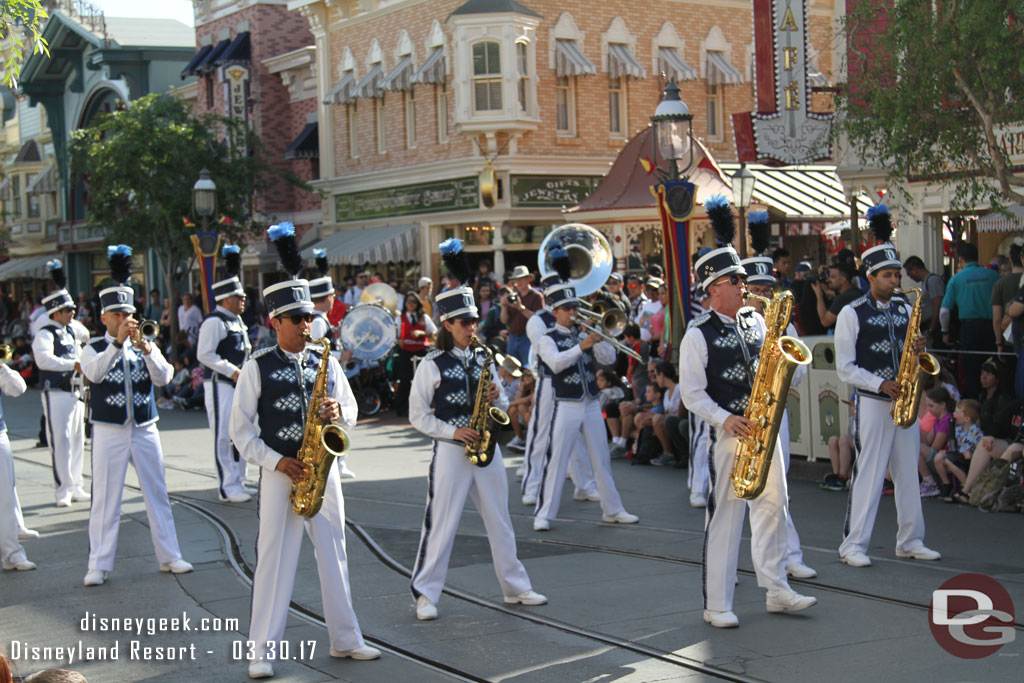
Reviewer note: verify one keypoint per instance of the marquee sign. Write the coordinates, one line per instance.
(783, 129)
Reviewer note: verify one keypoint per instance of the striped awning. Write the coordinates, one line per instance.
(400, 77)
(362, 246)
(807, 192)
(671, 63)
(720, 71)
(26, 267)
(370, 87)
(570, 60)
(997, 222)
(343, 91)
(431, 71)
(44, 182)
(622, 63)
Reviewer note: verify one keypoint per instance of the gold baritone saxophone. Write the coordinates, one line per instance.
(914, 368)
(486, 419)
(322, 442)
(780, 356)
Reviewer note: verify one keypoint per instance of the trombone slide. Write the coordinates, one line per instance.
(612, 340)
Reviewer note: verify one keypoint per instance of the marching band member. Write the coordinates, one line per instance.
(761, 282)
(719, 355)
(12, 554)
(699, 475)
(870, 334)
(576, 415)
(267, 426)
(124, 416)
(538, 432)
(223, 348)
(441, 405)
(56, 352)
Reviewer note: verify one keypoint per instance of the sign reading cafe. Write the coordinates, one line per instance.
(445, 195)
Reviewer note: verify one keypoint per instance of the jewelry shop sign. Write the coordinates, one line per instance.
(552, 190)
(446, 195)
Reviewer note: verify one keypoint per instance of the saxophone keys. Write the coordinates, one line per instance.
(473, 460)
(483, 457)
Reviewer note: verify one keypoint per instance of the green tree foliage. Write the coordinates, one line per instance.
(21, 20)
(931, 87)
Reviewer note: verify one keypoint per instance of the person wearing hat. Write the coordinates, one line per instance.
(56, 353)
(538, 432)
(222, 349)
(321, 290)
(653, 306)
(615, 287)
(124, 415)
(572, 362)
(870, 334)
(441, 406)
(268, 421)
(425, 288)
(718, 356)
(516, 311)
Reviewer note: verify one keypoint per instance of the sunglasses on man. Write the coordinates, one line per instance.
(733, 280)
(299, 318)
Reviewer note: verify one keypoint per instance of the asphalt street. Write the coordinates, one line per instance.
(625, 602)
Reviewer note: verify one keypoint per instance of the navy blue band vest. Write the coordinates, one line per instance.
(63, 347)
(577, 381)
(126, 386)
(234, 348)
(880, 337)
(285, 388)
(733, 352)
(453, 398)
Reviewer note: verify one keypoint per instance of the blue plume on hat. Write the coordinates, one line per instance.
(760, 231)
(880, 222)
(722, 221)
(56, 268)
(559, 258)
(454, 257)
(232, 259)
(283, 237)
(320, 258)
(119, 256)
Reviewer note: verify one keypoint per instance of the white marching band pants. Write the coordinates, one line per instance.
(700, 457)
(65, 430)
(573, 422)
(113, 447)
(231, 469)
(880, 444)
(724, 527)
(277, 557)
(538, 442)
(793, 552)
(451, 478)
(11, 550)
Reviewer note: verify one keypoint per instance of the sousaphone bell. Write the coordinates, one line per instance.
(589, 253)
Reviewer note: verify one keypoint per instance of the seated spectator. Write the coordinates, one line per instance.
(993, 398)
(940, 404)
(953, 460)
(636, 371)
(645, 447)
(669, 427)
(612, 392)
(191, 396)
(1010, 420)
(182, 378)
(840, 453)
(520, 406)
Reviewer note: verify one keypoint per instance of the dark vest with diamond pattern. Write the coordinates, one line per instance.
(454, 396)
(548, 318)
(64, 346)
(233, 348)
(109, 399)
(880, 337)
(733, 353)
(285, 388)
(577, 381)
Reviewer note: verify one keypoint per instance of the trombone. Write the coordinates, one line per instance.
(612, 322)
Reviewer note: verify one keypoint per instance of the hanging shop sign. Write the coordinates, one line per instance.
(445, 195)
(537, 190)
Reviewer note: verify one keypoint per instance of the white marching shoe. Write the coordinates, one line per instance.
(541, 524)
(721, 619)
(919, 553)
(799, 570)
(94, 577)
(620, 518)
(25, 534)
(178, 566)
(698, 500)
(22, 564)
(261, 670)
(364, 653)
(425, 609)
(530, 597)
(529, 500)
(592, 496)
(240, 497)
(80, 495)
(788, 601)
(856, 559)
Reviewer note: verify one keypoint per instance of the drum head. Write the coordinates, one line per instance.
(369, 330)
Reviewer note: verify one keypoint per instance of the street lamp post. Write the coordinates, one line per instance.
(205, 243)
(204, 197)
(742, 193)
(673, 133)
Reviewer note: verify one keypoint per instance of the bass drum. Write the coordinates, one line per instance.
(369, 331)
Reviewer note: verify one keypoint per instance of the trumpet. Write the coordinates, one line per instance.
(6, 353)
(610, 338)
(146, 330)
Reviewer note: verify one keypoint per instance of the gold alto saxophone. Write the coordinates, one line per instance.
(486, 419)
(914, 368)
(322, 442)
(780, 356)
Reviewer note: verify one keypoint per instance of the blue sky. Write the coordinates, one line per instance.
(152, 9)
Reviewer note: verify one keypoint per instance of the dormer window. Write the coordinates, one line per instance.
(487, 76)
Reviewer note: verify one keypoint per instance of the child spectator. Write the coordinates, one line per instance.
(667, 424)
(954, 461)
(840, 452)
(647, 446)
(509, 372)
(182, 378)
(940, 404)
(520, 406)
(612, 393)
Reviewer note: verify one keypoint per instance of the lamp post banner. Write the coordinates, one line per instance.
(675, 207)
(206, 245)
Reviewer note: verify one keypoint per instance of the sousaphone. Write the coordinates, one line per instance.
(589, 253)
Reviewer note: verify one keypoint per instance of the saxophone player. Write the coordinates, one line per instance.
(441, 406)
(719, 354)
(267, 427)
(870, 335)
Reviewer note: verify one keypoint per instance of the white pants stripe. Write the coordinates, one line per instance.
(277, 557)
(65, 429)
(11, 549)
(880, 445)
(538, 439)
(576, 421)
(700, 456)
(452, 478)
(724, 527)
(231, 469)
(113, 447)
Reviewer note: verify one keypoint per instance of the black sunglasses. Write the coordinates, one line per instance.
(299, 318)
(733, 280)
(468, 322)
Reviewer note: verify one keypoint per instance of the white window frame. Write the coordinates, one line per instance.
(352, 114)
(488, 79)
(523, 76)
(378, 119)
(410, 118)
(714, 111)
(620, 94)
(441, 106)
(568, 90)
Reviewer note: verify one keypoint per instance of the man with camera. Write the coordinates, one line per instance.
(517, 308)
(839, 279)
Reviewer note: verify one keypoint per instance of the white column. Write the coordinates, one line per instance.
(498, 244)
